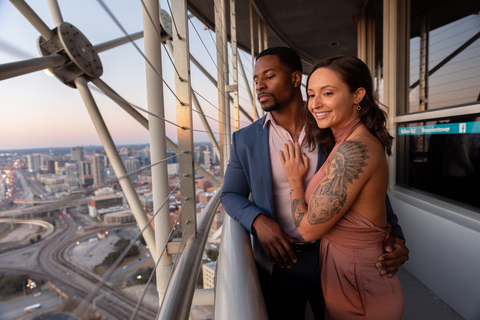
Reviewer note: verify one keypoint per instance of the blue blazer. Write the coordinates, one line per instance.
(249, 174)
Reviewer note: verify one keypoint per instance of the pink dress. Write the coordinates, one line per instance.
(352, 286)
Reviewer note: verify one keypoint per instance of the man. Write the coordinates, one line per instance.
(288, 266)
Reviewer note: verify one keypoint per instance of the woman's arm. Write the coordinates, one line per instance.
(347, 173)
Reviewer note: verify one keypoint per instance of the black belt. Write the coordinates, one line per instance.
(305, 246)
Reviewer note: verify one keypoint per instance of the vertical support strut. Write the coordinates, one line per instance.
(222, 77)
(366, 39)
(158, 149)
(184, 119)
(252, 52)
(424, 40)
(396, 36)
(233, 40)
(265, 36)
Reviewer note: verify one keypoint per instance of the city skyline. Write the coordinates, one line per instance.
(41, 112)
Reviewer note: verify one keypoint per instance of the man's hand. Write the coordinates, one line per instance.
(275, 242)
(397, 254)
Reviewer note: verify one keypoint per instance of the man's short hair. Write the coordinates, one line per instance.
(288, 57)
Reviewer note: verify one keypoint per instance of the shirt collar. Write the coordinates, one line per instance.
(269, 118)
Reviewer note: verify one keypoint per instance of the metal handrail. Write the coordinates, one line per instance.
(178, 298)
(238, 295)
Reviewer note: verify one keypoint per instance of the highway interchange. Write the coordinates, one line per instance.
(48, 260)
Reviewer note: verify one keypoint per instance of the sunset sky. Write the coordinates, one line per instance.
(40, 111)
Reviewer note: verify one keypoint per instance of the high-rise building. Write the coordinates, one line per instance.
(143, 156)
(86, 173)
(34, 162)
(172, 160)
(132, 164)
(50, 164)
(72, 175)
(206, 157)
(98, 169)
(78, 154)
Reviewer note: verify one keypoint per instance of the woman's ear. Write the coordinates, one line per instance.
(359, 94)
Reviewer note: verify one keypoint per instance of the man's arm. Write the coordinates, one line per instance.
(236, 190)
(396, 251)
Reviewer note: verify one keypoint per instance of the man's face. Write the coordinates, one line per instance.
(274, 83)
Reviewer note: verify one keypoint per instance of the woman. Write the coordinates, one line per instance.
(346, 198)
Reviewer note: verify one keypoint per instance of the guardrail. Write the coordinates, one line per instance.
(238, 295)
(179, 295)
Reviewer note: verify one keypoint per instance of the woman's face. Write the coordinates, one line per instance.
(330, 101)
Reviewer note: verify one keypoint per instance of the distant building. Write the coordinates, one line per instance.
(103, 201)
(72, 175)
(209, 274)
(172, 160)
(172, 169)
(50, 166)
(78, 154)
(119, 217)
(34, 162)
(54, 183)
(86, 173)
(206, 157)
(217, 221)
(132, 164)
(98, 169)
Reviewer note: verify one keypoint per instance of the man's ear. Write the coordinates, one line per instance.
(359, 94)
(296, 78)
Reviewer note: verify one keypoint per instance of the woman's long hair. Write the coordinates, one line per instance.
(355, 74)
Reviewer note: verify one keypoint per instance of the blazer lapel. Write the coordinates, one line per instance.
(265, 167)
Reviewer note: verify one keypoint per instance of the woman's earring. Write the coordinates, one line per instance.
(359, 107)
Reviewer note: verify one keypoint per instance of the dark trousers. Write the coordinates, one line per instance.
(287, 291)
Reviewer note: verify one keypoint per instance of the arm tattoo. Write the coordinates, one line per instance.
(298, 211)
(331, 194)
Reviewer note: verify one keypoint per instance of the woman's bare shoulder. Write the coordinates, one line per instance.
(365, 141)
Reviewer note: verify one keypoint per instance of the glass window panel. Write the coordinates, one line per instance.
(458, 80)
(442, 157)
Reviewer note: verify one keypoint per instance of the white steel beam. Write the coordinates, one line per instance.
(33, 18)
(55, 12)
(117, 164)
(15, 69)
(117, 42)
(158, 148)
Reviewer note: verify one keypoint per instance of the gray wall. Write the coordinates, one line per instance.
(444, 244)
